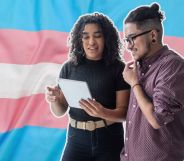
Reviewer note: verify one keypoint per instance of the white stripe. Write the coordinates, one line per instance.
(24, 80)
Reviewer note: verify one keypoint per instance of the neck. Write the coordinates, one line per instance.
(155, 48)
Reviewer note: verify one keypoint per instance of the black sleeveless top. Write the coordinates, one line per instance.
(103, 82)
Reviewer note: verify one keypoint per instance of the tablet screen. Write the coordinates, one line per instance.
(74, 91)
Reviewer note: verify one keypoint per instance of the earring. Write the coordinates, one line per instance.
(153, 41)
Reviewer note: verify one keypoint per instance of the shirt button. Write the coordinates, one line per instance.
(129, 122)
(142, 74)
(149, 66)
(126, 138)
(133, 106)
(126, 154)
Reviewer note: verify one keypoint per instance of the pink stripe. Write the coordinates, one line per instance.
(24, 47)
(33, 110)
(175, 43)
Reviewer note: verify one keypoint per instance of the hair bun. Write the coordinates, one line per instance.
(155, 6)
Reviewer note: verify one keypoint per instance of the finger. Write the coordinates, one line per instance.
(93, 103)
(84, 102)
(51, 99)
(56, 88)
(88, 105)
(128, 65)
(85, 106)
(88, 111)
(131, 65)
(49, 88)
(50, 93)
(135, 64)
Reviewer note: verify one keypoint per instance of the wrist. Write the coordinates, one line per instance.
(134, 85)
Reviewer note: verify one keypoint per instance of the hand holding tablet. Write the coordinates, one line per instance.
(74, 91)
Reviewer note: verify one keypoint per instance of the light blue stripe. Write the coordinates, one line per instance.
(60, 15)
(32, 144)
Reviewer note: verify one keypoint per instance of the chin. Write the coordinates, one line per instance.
(136, 56)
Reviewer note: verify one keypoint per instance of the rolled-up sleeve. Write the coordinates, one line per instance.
(168, 98)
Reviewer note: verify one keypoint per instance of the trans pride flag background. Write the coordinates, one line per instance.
(33, 35)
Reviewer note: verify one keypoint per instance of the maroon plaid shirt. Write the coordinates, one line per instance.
(162, 79)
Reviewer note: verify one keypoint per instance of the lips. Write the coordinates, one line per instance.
(92, 49)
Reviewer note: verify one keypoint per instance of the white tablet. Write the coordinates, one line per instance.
(74, 91)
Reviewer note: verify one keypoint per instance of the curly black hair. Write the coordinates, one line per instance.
(112, 46)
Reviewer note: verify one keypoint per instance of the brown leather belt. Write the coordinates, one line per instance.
(89, 125)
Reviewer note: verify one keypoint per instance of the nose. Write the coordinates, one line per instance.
(129, 45)
(91, 41)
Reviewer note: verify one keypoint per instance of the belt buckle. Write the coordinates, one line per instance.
(90, 125)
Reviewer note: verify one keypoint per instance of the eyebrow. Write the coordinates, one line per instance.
(96, 32)
(130, 35)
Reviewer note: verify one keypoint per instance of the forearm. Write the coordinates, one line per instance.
(58, 108)
(116, 115)
(146, 106)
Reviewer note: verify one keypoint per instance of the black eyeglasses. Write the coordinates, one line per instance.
(131, 39)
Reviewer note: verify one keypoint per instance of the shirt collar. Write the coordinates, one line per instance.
(150, 60)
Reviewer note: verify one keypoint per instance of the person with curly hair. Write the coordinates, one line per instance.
(95, 131)
(155, 118)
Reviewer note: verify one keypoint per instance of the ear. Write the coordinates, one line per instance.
(154, 35)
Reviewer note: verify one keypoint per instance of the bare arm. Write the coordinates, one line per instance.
(118, 114)
(57, 101)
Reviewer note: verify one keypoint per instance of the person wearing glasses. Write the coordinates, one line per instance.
(155, 117)
(95, 130)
